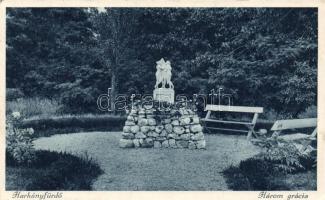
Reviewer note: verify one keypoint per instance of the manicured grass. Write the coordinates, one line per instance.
(52, 171)
(155, 169)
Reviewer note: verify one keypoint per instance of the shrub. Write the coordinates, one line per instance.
(257, 172)
(72, 123)
(76, 99)
(310, 112)
(13, 94)
(18, 141)
(63, 172)
(283, 155)
(277, 159)
(236, 179)
(35, 106)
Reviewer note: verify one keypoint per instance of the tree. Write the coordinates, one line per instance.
(115, 30)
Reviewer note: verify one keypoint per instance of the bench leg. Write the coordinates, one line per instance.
(249, 135)
(251, 127)
(251, 132)
(206, 127)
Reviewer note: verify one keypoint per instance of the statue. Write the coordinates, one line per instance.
(163, 77)
(163, 74)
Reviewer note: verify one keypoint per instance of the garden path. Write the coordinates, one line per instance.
(154, 169)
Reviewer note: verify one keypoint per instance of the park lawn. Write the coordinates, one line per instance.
(155, 169)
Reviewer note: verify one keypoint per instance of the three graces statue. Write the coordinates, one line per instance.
(163, 78)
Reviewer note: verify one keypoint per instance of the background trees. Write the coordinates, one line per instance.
(264, 57)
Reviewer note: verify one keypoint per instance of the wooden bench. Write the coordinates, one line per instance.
(239, 109)
(301, 140)
(281, 125)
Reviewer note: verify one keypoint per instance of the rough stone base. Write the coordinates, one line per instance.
(144, 128)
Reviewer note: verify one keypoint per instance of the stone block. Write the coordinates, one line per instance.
(196, 128)
(152, 122)
(125, 143)
(185, 121)
(128, 135)
(156, 144)
(140, 135)
(167, 121)
(141, 141)
(130, 118)
(135, 129)
(129, 123)
(191, 145)
(148, 142)
(159, 128)
(127, 129)
(169, 128)
(201, 144)
(142, 111)
(136, 143)
(163, 133)
(143, 122)
(152, 134)
(196, 120)
(175, 122)
(198, 136)
(182, 143)
(172, 143)
(178, 130)
(144, 129)
(165, 144)
(161, 138)
(185, 137)
(134, 112)
(164, 95)
(173, 136)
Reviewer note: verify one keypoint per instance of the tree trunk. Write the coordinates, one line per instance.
(113, 91)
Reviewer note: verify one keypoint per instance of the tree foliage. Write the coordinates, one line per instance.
(262, 56)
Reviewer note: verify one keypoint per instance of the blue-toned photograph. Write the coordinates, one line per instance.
(161, 99)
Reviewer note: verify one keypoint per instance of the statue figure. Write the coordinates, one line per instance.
(163, 74)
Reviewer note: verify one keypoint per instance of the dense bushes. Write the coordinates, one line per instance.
(74, 123)
(13, 94)
(258, 174)
(266, 170)
(257, 61)
(30, 107)
(19, 141)
(54, 171)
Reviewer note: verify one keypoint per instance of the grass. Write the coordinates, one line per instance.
(34, 106)
(155, 169)
(52, 171)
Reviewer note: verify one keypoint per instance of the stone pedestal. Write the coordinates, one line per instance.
(164, 95)
(145, 130)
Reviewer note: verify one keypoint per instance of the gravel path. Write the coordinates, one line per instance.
(154, 169)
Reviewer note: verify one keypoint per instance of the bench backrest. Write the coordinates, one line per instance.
(242, 109)
(294, 123)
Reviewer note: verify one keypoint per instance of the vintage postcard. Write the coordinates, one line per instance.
(162, 99)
